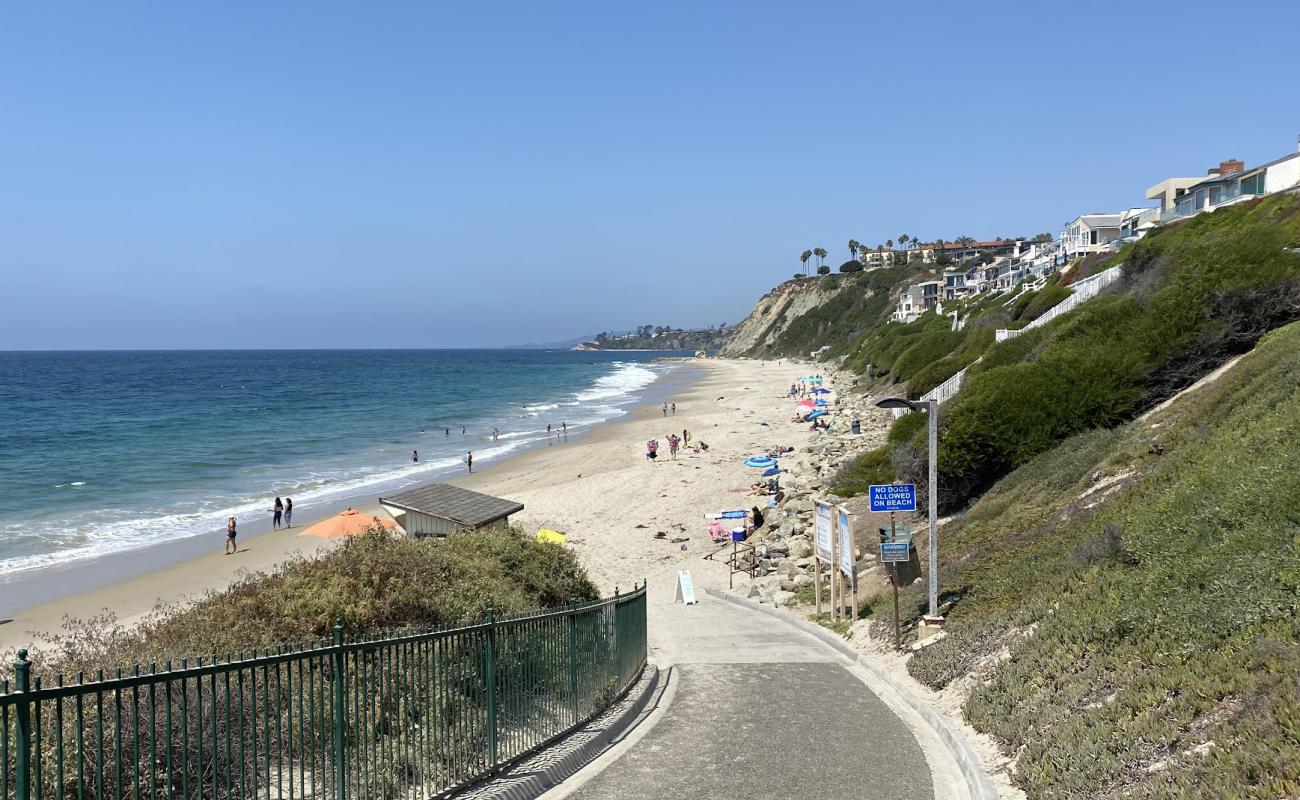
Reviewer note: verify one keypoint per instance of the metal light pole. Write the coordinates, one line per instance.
(932, 408)
(934, 508)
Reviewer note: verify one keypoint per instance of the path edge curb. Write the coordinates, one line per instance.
(978, 782)
(552, 775)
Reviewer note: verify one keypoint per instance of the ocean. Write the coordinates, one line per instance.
(106, 452)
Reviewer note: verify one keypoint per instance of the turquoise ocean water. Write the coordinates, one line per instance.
(105, 452)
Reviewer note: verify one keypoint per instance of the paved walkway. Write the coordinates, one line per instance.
(762, 710)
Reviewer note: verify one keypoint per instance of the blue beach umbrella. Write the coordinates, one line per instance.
(772, 471)
(820, 403)
(816, 414)
(820, 390)
(760, 462)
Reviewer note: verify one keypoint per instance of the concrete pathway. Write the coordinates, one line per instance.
(761, 710)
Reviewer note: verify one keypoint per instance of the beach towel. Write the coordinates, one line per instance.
(716, 532)
(738, 513)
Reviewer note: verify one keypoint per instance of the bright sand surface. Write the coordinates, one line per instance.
(599, 489)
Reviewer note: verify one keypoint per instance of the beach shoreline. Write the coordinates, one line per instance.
(621, 512)
(131, 583)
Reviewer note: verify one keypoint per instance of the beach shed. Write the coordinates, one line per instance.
(437, 509)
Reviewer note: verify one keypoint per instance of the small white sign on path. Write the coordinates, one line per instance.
(685, 589)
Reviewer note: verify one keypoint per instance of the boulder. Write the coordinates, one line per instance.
(800, 548)
(781, 599)
(801, 581)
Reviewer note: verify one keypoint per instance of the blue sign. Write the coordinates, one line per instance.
(895, 551)
(894, 497)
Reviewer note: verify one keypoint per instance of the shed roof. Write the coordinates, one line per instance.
(461, 506)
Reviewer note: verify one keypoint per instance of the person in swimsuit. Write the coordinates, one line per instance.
(415, 455)
(230, 537)
(469, 460)
(276, 514)
(288, 512)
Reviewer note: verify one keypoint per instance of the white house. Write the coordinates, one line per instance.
(1094, 233)
(918, 299)
(1229, 184)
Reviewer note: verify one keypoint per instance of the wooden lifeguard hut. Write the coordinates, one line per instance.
(438, 509)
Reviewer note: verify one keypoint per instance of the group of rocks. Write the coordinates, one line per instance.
(783, 555)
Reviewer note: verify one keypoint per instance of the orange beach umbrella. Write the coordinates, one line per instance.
(346, 523)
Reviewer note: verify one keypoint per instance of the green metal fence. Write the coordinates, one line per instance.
(403, 716)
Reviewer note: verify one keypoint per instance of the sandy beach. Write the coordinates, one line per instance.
(598, 488)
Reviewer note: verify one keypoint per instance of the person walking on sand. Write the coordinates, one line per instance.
(674, 409)
(665, 409)
(469, 460)
(673, 442)
(231, 547)
(276, 514)
(288, 512)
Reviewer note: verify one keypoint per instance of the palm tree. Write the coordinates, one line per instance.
(804, 256)
(820, 252)
(853, 248)
(902, 240)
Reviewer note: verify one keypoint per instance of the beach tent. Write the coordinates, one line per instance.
(760, 462)
(555, 537)
(346, 523)
(820, 390)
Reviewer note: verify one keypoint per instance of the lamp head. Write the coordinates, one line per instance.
(898, 402)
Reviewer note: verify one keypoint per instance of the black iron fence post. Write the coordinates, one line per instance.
(22, 729)
(491, 688)
(340, 715)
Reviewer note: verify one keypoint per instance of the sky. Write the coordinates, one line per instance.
(285, 175)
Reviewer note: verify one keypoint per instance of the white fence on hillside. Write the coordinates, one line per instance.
(1083, 291)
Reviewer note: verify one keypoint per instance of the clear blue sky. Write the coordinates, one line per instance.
(476, 173)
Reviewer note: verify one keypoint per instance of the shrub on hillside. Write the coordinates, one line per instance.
(851, 266)
(855, 475)
(1032, 305)
(1224, 286)
(373, 582)
(937, 342)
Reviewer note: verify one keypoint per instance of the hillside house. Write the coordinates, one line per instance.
(1232, 183)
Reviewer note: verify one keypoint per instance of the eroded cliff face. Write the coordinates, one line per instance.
(775, 311)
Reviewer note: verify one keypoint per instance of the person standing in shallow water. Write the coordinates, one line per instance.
(469, 460)
(288, 512)
(231, 547)
(276, 514)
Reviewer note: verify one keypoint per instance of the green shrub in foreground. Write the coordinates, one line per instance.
(373, 582)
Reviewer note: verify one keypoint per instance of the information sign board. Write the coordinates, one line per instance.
(822, 526)
(847, 561)
(893, 497)
(891, 552)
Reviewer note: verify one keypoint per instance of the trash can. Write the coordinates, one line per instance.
(856, 426)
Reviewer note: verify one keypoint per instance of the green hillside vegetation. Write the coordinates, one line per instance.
(1143, 584)
(863, 303)
(1192, 296)
(373, 583)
